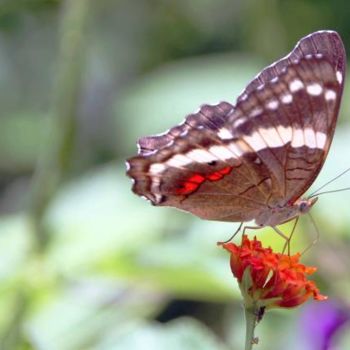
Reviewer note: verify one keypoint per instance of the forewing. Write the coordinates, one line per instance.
(291, 110)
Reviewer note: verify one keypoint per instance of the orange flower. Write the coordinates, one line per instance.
(270, 279)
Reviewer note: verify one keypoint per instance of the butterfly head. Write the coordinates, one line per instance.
(304, 205)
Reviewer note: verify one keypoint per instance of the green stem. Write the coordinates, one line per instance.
(58, 147)
(251, 321)
(12, 336)
(56, 154)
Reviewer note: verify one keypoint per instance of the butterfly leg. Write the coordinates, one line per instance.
(287, 244)
(251, 228)
(317, 235)
(286, 238)
(233, 236)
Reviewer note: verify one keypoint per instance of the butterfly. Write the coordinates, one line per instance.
(255, 159)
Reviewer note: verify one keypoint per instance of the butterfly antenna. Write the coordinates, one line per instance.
(317, 193)
(332, 191)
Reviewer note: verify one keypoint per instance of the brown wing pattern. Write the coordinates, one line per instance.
(325, 42)
(230, 162)
(199, 172)
(294, 116)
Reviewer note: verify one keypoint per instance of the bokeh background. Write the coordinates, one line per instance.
(84, 263)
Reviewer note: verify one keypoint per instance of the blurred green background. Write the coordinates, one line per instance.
(85, 264)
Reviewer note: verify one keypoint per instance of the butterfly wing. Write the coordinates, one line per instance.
(228, 162)
(297, 99)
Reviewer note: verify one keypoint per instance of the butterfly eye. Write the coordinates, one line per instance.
(303, 207)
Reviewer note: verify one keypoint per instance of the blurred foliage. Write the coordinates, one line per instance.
(117, 273)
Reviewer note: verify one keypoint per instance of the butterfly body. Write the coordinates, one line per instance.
(279, 215)
(253, 160)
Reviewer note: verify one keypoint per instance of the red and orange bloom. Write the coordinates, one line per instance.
(269, 279)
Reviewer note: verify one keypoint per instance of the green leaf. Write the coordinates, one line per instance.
(184, 334)
(15, 240)
(83, 311)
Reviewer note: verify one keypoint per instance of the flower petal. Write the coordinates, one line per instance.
(275, 279)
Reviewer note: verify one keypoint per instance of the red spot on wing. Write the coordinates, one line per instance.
(194, 181)
(226, 171)
(214, 176)
(196, 178)
(187, 188)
